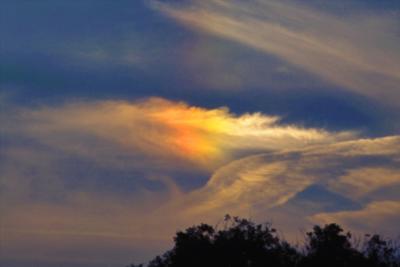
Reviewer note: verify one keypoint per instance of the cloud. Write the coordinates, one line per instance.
(162, 130)
(109, 173)
(216, 64)
(379, 216)
(263, 182)
(359, 182)
(90, 230)
(358, 52)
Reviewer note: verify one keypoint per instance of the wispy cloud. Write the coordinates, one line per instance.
(357, 52)
(261, 186)
(360, 182)
(257, 183)
(378, 216)
(160, 129)
(256, 166)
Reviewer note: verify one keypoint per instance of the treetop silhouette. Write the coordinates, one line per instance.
(243, 243)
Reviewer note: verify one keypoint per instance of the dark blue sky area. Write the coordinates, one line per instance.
(53, 51)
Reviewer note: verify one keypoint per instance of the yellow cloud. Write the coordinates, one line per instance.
(259, 184)
(359, 182)
(162, 130)
(376, 217)
(257, 167)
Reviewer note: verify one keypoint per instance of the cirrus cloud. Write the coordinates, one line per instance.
(158, 129)
(256, 166)
(356, 52)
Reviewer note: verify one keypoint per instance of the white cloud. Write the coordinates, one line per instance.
(357, 52)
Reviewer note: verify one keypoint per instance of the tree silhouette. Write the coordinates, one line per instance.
(329, 246)
(242, 243)
(381, 252)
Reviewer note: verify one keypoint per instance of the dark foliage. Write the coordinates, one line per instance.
(332, 247)
(242, 243)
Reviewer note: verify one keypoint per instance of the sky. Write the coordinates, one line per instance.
(125, 121)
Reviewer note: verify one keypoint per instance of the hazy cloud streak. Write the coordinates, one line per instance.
(257, 167)
(359, 53)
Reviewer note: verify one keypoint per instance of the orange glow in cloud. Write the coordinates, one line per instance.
(192, 131)
(162, 131)
(208, 135)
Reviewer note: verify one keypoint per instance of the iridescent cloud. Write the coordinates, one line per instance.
(164, 130)
(256, 166)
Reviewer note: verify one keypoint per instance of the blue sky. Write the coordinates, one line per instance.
(124, 121)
